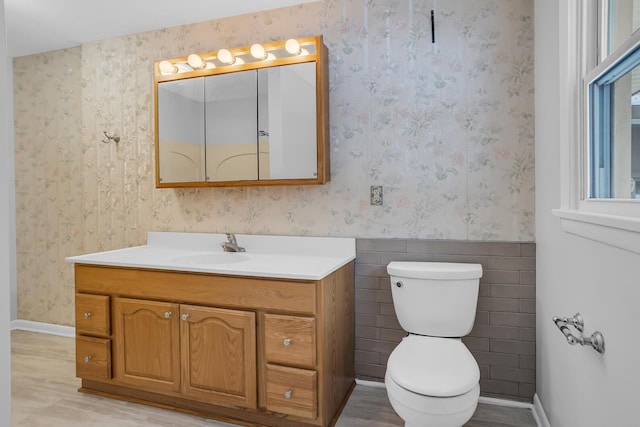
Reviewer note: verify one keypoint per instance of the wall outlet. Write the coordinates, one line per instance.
(376, 195)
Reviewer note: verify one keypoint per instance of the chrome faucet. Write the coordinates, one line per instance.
(231, 245)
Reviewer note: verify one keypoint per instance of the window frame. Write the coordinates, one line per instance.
(599, 94)
(615, 222)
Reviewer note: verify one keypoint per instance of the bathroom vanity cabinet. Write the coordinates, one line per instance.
(262, 351)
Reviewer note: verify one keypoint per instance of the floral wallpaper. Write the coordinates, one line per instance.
(445, 128)
(49, 193)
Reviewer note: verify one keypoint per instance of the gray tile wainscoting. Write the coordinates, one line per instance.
(503, 337)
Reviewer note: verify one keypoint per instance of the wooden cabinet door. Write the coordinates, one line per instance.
(218, 355)
(147, 344)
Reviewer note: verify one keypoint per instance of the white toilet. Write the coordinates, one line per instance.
(432, 379)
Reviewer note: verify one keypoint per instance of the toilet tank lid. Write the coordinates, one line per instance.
(435, 270)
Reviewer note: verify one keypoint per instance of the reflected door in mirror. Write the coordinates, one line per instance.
(231, 113)
(181, 138)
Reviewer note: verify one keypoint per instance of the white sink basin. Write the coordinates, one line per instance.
(283, 257)
(210, 258)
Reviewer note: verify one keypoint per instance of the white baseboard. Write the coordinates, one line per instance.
(376, 384)
(43, 328)
(538, 412)
(487, 401)
(505, 402)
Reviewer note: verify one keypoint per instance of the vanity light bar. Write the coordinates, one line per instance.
(233, 57)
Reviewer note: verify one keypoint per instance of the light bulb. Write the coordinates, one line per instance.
(258, 52)
(292, 46)
(196, 62)
(167, 67)
(226, 57)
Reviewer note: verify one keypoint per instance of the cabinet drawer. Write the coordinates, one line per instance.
(92, 314)
(292, 391)
(93, 357)
(290, 340)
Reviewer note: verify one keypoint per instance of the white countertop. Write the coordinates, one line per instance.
(285, 257)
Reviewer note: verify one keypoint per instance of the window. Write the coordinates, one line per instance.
(614, 105)
(600, 91)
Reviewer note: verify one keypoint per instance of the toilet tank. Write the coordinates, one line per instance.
(435, 298)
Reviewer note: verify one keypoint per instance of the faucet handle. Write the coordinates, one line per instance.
(231, 245)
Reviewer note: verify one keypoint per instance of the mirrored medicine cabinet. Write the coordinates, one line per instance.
(249, 116)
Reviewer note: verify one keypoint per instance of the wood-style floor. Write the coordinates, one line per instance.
(44, 394)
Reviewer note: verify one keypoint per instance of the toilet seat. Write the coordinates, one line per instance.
(434, 367)
(453, 408)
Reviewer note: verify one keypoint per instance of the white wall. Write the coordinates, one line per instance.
(6, 185)
(11, 197)
(576, 385)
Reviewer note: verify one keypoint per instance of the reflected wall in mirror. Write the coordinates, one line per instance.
(287, 121)
(257, 121)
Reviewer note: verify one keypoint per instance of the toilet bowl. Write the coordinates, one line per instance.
(432, 378)
(432, 381)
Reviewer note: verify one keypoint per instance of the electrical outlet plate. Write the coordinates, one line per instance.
(376, 195)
